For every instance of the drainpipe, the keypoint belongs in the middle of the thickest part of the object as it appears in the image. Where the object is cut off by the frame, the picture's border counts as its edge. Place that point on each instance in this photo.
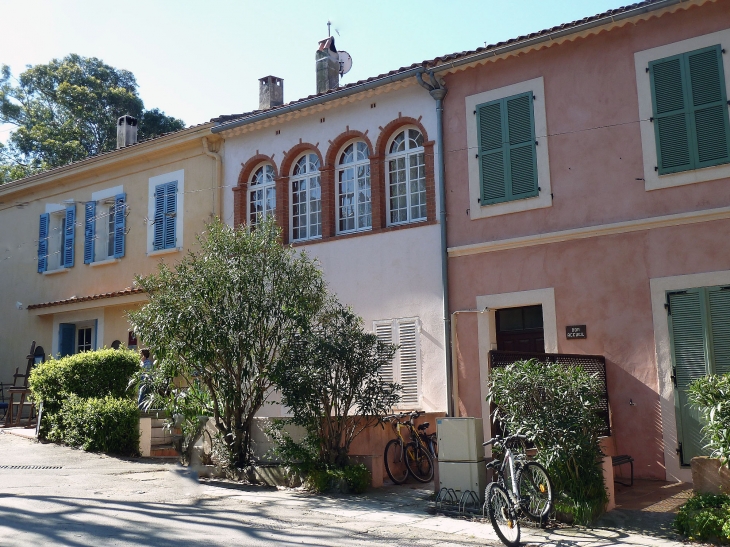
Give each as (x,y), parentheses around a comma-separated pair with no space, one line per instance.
(218,190)
(437,90)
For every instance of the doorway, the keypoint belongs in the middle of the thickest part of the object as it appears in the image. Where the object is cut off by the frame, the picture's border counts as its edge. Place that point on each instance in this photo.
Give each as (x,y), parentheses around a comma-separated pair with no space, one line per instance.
(520,329)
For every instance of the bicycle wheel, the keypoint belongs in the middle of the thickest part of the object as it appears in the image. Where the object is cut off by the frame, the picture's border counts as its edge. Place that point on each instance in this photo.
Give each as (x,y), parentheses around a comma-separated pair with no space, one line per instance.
(434,445)
(536,491)
(502,515)
(395,461)
(419,462)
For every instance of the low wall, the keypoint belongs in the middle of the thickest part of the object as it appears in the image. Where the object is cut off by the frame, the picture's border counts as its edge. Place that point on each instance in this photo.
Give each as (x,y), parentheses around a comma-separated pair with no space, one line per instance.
(709,477)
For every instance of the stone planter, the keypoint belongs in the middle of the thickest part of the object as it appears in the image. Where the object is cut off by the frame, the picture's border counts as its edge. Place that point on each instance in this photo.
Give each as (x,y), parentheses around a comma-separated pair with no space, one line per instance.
(709,477)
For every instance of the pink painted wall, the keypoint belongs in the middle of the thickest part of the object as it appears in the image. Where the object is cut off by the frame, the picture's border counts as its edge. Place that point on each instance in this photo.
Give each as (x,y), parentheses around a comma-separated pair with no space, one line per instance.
(601,282)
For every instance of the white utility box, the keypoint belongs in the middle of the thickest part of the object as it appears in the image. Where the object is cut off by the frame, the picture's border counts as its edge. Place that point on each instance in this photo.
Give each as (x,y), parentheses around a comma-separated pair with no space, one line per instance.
(463,476)
(460,439)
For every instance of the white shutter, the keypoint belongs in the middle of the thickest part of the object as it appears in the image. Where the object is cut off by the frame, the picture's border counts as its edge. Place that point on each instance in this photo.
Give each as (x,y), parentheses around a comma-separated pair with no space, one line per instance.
(409,360)
(384,332)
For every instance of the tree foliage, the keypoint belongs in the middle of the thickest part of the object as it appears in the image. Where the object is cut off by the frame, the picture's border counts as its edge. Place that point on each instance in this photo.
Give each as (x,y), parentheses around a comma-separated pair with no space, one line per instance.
(332,385)
(557,408)
(229,314)
(67,110)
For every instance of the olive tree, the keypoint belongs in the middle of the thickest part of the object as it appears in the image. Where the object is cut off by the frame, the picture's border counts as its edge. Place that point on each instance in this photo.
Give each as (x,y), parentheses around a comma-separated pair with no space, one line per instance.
(333,387)
(228,314)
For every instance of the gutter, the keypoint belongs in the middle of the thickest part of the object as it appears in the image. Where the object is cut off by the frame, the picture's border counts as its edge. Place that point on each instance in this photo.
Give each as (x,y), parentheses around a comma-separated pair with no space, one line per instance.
(409,73)
(218,190)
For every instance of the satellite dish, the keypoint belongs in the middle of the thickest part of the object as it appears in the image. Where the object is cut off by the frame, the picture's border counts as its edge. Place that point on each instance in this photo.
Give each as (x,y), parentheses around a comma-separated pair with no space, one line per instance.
(345,62)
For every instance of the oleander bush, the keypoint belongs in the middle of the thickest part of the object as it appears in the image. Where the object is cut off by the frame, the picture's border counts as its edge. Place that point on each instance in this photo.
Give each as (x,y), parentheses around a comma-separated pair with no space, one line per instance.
(88,400)
(711,396)
(556,407)
(705,517)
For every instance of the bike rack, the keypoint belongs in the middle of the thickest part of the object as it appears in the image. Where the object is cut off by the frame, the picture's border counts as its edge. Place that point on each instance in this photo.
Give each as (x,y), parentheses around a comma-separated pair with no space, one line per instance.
(446,496)
(469,498)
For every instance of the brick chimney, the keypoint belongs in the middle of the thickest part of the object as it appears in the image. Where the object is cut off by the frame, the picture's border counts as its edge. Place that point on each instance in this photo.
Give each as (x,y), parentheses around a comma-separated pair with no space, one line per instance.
(271,92)
(328,65)
(126,131)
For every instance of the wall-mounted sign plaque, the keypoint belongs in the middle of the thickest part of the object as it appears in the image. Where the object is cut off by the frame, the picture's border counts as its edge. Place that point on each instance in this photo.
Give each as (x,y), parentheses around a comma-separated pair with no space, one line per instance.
(575,331)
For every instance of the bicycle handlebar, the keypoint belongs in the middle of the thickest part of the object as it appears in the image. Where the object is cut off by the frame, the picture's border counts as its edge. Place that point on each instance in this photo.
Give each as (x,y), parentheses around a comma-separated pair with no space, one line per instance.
(503,440)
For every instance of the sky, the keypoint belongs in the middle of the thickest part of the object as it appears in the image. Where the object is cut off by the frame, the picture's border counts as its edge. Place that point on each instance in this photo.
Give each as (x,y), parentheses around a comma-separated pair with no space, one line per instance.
(198,59)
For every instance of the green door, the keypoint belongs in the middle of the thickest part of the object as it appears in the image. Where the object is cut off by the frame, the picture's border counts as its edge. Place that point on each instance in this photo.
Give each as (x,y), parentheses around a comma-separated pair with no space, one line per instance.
(699,326)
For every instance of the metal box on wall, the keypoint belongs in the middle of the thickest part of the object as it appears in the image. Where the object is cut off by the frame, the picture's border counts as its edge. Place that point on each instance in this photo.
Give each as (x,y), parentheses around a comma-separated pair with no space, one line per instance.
(460,439)
(463,476)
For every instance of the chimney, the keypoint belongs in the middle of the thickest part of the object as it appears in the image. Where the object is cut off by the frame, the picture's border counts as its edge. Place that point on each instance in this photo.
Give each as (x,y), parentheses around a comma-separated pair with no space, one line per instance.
(271,92)
(126,131)
(328,65)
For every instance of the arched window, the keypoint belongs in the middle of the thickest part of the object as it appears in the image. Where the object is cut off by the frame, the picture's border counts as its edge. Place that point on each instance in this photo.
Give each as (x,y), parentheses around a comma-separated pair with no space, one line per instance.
(353,189)
(261,195)
(306,199)
(406,178)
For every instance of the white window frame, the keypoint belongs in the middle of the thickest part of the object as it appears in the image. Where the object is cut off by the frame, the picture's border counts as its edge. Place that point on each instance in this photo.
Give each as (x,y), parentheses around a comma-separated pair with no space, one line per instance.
(154,182)
(652,179)
(250,187)
(306,176)
(395,339)
(56,218)
(105,200)
(82,318)
(544,196)
(341,168)
(406,154)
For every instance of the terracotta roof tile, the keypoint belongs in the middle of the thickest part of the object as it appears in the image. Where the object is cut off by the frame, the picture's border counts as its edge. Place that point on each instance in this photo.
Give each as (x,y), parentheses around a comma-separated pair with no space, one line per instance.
(73,300)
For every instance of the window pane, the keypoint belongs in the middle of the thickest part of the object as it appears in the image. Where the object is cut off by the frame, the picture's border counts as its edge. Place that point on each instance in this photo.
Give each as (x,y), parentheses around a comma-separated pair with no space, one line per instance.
(348,155)
(399,143)
(415,139)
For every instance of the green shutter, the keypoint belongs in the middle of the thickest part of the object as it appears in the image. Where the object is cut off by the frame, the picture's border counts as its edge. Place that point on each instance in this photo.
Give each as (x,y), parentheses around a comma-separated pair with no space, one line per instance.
(709,106)
(690,111)
(719,303)
(507,155)
(687,331)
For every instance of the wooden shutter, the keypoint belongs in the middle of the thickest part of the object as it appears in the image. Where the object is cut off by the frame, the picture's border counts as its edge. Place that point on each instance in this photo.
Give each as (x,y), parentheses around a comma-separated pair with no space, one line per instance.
(708,106)
(170,215)
(687,331)
(159,220)
(68,236)
(719,303)
(384,332)
(409,361)
(690,111)
(89,231)
(66,339)
(507,155)
(120,219)
(43,242)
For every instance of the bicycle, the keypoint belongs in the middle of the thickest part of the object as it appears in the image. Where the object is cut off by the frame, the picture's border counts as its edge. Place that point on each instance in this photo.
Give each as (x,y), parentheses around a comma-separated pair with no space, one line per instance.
(413,457)
(529,494)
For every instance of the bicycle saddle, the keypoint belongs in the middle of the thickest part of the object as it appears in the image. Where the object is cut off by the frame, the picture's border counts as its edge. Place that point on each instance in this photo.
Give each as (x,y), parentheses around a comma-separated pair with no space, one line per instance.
(423,426)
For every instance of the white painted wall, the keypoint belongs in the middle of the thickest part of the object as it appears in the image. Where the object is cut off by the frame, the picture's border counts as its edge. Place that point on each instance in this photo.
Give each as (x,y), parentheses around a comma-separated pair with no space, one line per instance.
(382,276)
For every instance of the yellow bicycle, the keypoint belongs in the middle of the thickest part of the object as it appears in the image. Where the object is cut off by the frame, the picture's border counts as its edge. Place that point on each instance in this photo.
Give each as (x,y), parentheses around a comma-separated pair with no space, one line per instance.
(407,457)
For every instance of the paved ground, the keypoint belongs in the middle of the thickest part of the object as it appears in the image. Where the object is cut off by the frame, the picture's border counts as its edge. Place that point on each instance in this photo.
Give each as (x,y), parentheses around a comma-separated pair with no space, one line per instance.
(73,498)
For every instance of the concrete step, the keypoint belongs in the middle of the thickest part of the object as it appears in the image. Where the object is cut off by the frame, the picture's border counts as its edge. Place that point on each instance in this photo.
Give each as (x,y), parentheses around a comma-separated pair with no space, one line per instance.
(163,451)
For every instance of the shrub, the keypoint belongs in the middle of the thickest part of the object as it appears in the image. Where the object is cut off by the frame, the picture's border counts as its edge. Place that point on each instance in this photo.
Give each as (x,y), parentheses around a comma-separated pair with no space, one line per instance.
(107,424)
(556,407)
(356,478)
(705,517)
(711,396)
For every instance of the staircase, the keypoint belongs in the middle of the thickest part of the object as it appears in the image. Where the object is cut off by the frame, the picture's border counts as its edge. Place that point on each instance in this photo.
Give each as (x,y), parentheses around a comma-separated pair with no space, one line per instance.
(154,440)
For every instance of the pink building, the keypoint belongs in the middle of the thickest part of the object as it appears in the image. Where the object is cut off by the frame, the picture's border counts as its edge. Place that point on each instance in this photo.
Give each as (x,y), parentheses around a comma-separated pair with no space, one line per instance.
(588,200)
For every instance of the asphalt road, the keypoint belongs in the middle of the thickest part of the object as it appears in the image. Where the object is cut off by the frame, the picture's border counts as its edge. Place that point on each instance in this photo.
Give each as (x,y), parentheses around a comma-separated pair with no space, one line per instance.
(53,495)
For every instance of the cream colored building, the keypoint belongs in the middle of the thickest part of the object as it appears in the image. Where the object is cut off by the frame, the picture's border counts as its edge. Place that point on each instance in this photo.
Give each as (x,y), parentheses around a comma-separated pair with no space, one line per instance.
(72,240)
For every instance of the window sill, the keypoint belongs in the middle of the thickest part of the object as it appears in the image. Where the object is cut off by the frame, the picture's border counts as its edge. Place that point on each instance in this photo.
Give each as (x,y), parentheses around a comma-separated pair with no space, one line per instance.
(104,262)
(305,240)
(56,271)
(406,223)
(165,251)
(358,231)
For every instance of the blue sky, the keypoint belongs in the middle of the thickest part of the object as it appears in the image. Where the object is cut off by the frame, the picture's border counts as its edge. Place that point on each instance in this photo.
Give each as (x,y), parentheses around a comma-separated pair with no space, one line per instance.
(195,60)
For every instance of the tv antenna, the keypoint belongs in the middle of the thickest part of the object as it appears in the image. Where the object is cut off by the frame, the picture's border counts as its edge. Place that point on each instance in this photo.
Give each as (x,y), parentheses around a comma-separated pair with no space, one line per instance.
(345,62)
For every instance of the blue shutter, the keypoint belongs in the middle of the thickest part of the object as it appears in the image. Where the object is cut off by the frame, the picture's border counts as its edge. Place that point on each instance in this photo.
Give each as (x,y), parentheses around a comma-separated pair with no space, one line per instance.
(170,215)
(120,218)
(158,223)
(68,236)
(66,339)
(43,243)
(89,231)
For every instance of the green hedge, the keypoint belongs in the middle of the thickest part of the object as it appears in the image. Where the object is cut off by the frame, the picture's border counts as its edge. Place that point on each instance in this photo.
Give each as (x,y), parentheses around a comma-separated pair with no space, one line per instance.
(356,477)
(88,401)
(107,424)
(705,517)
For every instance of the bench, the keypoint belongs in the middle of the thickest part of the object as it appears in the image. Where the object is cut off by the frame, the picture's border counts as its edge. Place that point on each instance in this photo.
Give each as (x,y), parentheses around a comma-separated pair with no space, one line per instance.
(621,460)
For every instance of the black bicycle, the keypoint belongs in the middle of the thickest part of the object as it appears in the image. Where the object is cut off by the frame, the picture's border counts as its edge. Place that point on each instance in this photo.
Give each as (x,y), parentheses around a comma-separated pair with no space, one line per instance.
(520,488)
(413,456)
